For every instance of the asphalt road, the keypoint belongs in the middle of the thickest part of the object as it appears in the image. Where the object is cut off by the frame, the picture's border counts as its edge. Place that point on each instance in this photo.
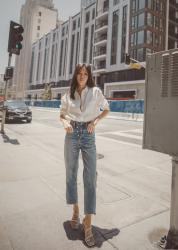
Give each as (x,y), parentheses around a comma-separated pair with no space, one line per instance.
(116,129)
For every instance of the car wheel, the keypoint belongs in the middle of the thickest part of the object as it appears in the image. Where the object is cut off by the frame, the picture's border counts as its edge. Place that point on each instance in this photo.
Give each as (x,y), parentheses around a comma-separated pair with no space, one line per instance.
(29,120)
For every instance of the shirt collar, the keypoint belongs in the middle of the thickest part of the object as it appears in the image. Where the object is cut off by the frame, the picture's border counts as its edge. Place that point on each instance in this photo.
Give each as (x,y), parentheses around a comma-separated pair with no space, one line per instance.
(84,91)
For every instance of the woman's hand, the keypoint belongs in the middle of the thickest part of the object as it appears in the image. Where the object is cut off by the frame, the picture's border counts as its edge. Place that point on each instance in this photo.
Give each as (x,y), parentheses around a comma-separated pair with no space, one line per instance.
(91,127)
(68,127)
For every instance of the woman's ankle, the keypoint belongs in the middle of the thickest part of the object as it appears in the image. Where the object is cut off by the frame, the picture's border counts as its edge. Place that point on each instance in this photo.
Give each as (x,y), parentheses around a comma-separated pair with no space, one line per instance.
(87,221)
(76,210)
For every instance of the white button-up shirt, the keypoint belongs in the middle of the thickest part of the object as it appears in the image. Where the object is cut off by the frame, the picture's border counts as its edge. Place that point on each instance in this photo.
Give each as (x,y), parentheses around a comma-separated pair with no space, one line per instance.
(85,107)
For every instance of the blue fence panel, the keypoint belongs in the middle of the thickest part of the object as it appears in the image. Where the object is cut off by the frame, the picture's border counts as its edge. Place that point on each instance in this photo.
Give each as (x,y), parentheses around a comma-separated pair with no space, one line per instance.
(134,106)
(47,104)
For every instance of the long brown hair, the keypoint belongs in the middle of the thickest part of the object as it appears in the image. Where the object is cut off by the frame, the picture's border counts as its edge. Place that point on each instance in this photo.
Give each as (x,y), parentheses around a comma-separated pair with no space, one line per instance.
(90,82)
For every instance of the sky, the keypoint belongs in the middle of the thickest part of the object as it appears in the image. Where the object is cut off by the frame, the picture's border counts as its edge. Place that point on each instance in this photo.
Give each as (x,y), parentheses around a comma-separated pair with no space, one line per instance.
(10,10)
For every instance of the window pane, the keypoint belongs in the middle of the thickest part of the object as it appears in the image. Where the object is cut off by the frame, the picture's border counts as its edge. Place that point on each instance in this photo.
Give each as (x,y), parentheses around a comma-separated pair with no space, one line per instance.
(141,4)
(149,37)
(141,20)
(149,19)
(140,55)
(140,37)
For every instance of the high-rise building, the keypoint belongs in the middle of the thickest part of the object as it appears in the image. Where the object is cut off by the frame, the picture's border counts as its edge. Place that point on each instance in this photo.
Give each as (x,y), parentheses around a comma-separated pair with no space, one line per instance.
(100,34)
(172,24)
(37,17)
(86,3)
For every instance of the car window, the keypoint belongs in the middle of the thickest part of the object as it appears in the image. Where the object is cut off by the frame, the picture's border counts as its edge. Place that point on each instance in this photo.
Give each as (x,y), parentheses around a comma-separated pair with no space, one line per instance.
(16,104)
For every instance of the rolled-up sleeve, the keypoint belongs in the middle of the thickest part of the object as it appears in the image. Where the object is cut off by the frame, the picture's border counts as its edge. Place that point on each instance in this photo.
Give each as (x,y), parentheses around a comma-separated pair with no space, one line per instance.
(63,107)
(102,102)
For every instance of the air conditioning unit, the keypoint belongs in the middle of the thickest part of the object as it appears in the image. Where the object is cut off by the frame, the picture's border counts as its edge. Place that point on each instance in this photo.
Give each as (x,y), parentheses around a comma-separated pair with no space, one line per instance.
(161,103)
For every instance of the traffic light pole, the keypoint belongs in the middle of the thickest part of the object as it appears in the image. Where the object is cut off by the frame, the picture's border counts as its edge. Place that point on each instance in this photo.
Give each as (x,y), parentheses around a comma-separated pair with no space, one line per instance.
(5,97)
(172,238)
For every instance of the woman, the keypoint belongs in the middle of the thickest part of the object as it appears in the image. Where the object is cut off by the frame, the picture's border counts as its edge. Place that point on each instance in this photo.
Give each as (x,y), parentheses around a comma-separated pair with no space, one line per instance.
(80,113)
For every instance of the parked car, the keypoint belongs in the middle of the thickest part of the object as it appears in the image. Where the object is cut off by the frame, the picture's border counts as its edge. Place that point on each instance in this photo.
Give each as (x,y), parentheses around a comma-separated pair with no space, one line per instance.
(17,110)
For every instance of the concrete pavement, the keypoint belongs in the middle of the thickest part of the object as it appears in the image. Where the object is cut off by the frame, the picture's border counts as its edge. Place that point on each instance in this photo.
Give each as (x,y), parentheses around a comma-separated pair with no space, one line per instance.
(133,192)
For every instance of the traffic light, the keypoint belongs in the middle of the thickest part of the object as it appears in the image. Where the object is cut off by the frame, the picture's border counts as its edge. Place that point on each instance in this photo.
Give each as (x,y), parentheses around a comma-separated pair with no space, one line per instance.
(15,38)
(127,59)
(8,73)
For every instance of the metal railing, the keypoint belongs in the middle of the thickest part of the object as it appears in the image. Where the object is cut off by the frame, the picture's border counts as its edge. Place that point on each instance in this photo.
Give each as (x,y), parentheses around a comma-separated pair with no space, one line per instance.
(100,52)
(100,12)
(101,38)
(101,24)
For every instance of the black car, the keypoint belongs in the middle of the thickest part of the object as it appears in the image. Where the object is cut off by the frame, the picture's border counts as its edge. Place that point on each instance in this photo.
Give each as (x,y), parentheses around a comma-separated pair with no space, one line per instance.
(17,110)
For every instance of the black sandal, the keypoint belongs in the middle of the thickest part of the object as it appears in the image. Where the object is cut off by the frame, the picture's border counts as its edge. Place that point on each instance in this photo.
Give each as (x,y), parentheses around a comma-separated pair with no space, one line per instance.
(75,222)
(89,238)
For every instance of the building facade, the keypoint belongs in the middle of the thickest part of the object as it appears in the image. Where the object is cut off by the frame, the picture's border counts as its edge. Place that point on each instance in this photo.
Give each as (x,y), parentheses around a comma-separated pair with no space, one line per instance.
(100,34)
(38,18)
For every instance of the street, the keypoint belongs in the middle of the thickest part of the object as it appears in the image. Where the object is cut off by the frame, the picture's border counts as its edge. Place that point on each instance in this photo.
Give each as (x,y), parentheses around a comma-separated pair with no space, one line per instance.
(133,187)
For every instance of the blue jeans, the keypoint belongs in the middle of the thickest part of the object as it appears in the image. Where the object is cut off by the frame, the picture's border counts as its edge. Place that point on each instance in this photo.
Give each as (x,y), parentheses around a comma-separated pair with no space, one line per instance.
(78,140)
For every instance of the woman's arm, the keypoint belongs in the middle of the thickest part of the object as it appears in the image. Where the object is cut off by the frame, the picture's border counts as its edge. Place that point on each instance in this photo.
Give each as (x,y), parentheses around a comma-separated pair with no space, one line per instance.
(102,115)
(91,125)
(67,126)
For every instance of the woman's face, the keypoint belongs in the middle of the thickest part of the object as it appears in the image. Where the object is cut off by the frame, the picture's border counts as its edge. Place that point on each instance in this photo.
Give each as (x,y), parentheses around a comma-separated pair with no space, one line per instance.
(82,77)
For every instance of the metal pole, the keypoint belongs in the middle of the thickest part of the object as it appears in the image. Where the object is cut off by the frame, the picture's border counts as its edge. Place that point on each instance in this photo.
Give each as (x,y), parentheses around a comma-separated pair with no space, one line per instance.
(172,238)
(5,98)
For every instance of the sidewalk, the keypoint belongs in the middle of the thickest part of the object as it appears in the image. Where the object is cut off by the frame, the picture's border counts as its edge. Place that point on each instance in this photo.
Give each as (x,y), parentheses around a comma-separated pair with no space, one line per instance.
(133,194)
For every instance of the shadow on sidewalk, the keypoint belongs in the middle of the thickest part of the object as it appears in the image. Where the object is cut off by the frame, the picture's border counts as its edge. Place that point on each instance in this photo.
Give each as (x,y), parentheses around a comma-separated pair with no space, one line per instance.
(8,140)
(100,234)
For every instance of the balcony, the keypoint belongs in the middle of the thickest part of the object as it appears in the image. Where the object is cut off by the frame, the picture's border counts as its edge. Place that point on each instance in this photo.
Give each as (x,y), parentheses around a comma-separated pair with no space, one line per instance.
(101,25)
(100,40)
(100,68)
(100,54)
(102,13)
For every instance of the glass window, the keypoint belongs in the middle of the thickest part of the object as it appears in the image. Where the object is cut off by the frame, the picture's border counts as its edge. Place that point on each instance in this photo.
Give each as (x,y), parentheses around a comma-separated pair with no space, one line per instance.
(140,55)
(141,4)
(156,24)
(116,2)
(149,37)
(149,19)
(87,17)
(63,31)
(176,29)
(134,22)
(149,4)
(93,13)
(114,37)
(74,25)
(148,51)
(79,22)
(141,20)
(39,13)
(177,14)
(133,39)
(54,37)
(38,27)
(134,5)
(71,54)
(85,45)
(140,37)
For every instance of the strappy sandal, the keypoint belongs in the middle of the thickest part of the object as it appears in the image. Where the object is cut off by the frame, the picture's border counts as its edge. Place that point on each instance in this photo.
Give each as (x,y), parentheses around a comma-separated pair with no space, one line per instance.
(89,238)
(75,222)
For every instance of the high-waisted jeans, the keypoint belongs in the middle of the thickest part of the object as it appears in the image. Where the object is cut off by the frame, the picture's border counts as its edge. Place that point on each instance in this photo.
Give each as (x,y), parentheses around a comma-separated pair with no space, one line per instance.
(78,140)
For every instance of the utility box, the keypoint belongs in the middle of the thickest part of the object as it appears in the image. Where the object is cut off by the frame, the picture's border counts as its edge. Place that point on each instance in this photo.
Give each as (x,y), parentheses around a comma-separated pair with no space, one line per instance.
(161,103)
